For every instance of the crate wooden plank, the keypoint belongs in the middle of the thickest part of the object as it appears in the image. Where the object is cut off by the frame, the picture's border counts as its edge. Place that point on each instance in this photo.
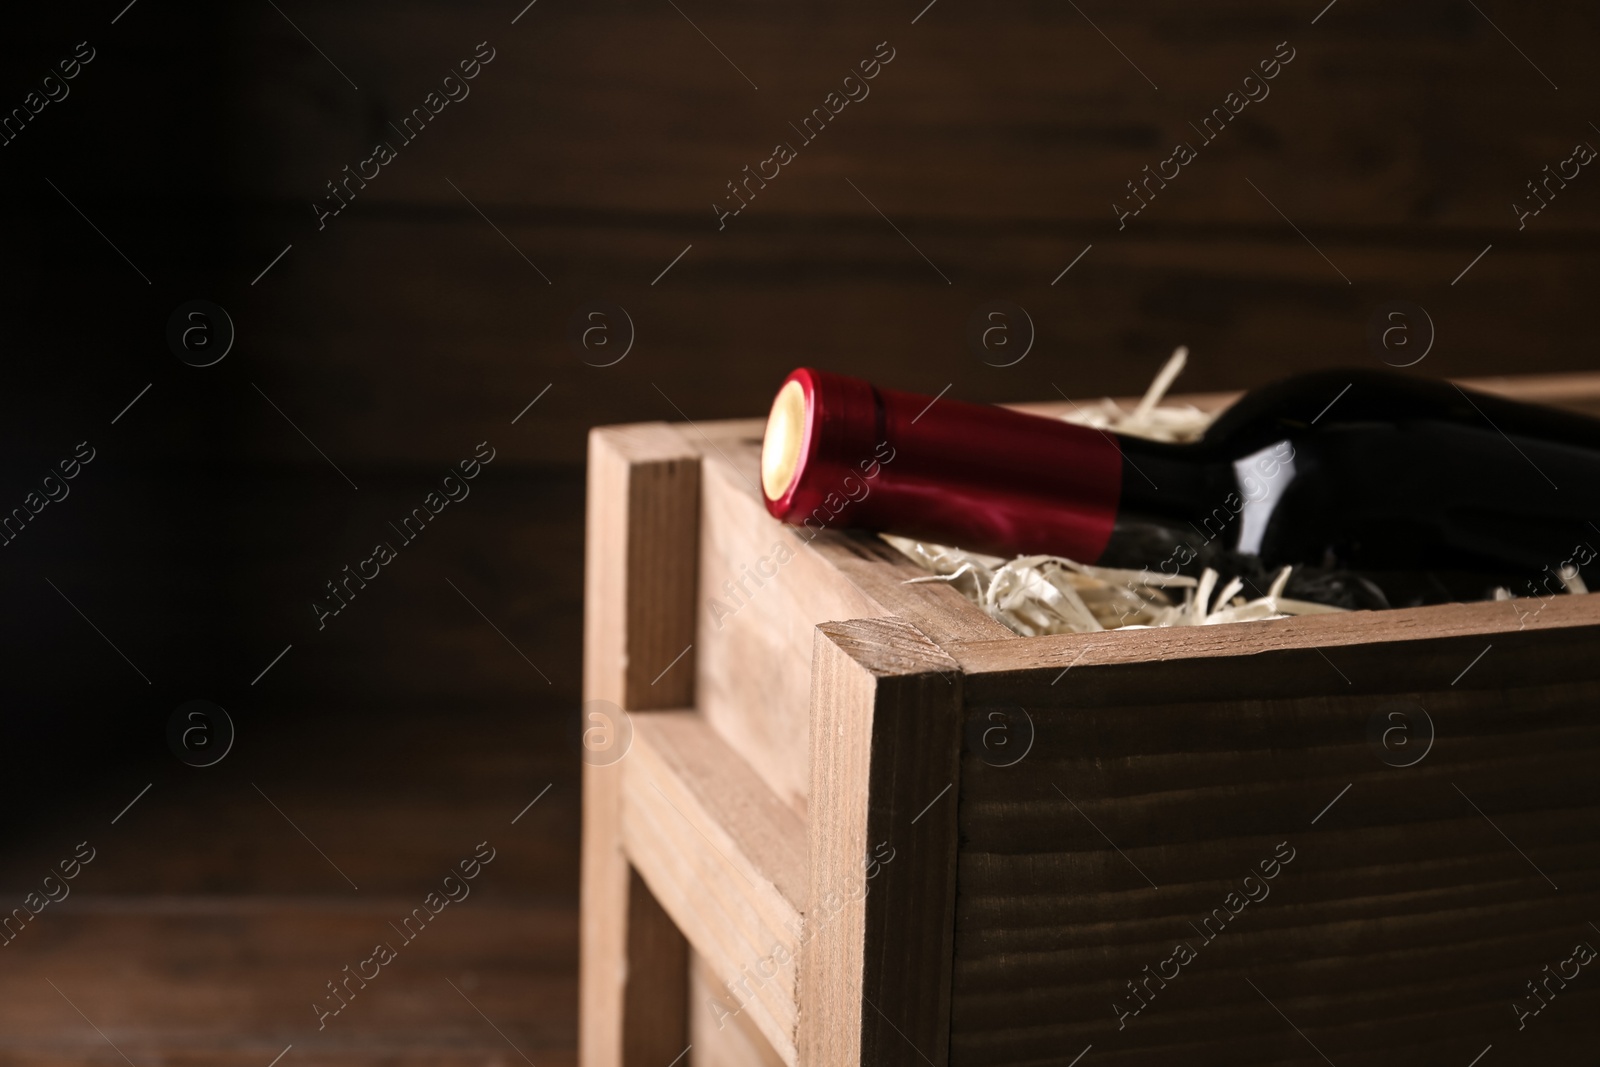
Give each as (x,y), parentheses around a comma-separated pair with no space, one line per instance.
(642,525)
(756,633)
(1351,647)
(1407,923)
(755,650)
(721,1037)
(1008,922)
(875,978)
(643,522)
(727,860)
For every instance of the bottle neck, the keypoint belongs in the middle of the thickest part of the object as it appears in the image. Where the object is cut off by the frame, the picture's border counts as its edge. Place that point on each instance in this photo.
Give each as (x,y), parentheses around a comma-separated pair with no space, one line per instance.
(1183,482)
(1177,502)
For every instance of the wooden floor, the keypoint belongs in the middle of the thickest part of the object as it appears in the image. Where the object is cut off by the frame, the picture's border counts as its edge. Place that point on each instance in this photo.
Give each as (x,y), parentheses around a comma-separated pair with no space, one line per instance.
(206,925)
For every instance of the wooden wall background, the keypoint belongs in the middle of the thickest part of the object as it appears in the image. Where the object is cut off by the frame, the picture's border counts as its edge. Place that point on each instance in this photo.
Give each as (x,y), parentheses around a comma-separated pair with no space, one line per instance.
(409,329)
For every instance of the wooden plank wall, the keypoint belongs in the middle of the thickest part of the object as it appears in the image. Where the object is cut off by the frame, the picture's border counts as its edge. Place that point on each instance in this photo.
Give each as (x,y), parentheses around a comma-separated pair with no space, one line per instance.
(996,141)
(408,329)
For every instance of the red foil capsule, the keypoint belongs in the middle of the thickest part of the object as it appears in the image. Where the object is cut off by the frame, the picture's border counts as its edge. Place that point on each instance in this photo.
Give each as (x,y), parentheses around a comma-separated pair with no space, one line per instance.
(841,452)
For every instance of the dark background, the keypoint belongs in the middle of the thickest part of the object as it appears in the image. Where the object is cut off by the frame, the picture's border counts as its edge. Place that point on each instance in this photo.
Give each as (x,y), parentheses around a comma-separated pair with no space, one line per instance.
(408,330)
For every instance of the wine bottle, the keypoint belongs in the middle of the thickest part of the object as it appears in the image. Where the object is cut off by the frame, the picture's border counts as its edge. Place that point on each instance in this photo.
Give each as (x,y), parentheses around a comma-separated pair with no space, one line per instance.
(1363,470)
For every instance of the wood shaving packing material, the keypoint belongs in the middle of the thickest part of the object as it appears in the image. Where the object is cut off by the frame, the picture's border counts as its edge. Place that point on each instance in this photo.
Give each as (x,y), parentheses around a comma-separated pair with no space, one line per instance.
(1174,423)
(1567,576)
(1036,595)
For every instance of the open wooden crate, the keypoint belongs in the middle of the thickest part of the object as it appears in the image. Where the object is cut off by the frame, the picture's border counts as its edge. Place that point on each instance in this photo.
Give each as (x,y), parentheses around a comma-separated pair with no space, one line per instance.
(805,843)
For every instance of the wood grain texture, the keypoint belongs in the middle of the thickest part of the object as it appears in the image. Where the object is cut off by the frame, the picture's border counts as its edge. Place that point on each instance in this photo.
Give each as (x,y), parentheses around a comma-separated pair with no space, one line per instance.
(1249,306)
(1035,84)
(764,587)
(206,925)
(1060,93)
(1407,923)
(727,859)
(762,590)
(875,985)
(638,580)
(643,523)
(1312,649)
(996,141)
(655,1009)
(410,329)
(754,660)
(197,978)
(722,1036)
(511,551)
(696,768)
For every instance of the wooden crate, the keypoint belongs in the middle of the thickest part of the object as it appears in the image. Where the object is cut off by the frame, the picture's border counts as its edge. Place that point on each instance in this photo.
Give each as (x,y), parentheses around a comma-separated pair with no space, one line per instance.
(807,843)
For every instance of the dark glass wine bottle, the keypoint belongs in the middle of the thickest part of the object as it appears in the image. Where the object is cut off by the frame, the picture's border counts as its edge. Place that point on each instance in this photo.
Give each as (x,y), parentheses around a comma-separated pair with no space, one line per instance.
(1433,491)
